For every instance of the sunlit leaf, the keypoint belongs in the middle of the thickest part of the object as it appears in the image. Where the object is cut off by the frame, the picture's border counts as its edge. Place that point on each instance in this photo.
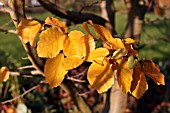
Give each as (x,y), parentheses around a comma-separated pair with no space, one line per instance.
(78,44)
(153,71)
(124,75)
(129,41)
(97,54)
(101,32)
(53,70)
(116,43)
(28,30)
(139,84)
(56,23)
(101,77)
(50,43)
(119,53)
(4,74)
(72,62)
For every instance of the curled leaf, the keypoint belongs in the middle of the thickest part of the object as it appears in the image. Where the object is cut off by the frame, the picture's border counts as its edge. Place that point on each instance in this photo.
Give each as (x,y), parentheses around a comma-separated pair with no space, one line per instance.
(28,30)
(101,77)
(153,71)
(4,74)
(54,71)
(101,32)
(50,43)
(56,23)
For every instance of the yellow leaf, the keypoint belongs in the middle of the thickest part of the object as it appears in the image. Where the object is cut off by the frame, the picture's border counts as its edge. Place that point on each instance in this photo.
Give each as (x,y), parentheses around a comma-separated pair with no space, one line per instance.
(101,77)
(129,41)
(152,70)
(50,43)
(139,84)
(119,53)
(124,75)
(97,55)
(4,74)
(53,70)
(72,62)
(116,43)
(101,32)
(78,43)
(56,23)
(28,30)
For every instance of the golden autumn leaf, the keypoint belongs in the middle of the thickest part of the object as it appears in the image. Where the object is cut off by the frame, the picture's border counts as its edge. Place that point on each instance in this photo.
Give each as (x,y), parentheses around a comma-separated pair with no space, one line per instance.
(97,55)
(72,62)
(124,75)
(56,23)
(139,84)
(101,77)
(28,30)
(101,32)
(129,41)
(85,26)
(78,43)
(116,43)
(4,74)
(119,53)
(50,43)
(153,71)
(54,71)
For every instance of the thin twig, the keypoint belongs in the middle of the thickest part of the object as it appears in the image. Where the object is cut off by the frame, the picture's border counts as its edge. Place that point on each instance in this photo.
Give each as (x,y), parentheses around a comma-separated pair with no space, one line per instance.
(75,80)
(148,21)
(34,72)
(8,31)
(6,24)
(85,93)
(89,5)
(22,95)
(26,67)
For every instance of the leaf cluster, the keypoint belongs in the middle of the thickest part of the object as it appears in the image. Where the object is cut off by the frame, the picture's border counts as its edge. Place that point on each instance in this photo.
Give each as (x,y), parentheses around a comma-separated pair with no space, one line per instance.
(116,60)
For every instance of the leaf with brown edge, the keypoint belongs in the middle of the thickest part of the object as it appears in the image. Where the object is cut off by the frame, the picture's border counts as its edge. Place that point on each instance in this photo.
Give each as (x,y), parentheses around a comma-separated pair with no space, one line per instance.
(72,62)
(85,26)
(97,55)
(50,43)
(124,75)
(78,43)
(101,77)
(4,74)
(139,84)
(54,71)
(28,30)
(56,23)
(101,32)
(153,71)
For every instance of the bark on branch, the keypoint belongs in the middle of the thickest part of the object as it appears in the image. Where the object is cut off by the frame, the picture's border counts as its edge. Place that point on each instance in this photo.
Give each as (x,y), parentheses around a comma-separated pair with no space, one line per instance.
(75,17)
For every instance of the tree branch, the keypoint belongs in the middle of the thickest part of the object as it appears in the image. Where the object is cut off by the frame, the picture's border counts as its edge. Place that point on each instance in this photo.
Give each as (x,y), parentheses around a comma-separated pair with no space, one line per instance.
(75,17)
